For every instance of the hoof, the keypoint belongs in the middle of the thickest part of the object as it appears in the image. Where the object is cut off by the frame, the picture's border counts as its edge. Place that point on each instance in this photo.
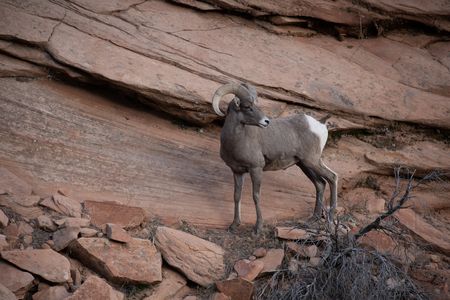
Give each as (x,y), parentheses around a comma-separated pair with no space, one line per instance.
(233,228)
(257,230)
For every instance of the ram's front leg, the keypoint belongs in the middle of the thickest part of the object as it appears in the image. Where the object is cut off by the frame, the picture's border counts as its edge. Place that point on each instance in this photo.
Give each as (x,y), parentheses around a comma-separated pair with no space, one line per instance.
(238,182)
(256,175)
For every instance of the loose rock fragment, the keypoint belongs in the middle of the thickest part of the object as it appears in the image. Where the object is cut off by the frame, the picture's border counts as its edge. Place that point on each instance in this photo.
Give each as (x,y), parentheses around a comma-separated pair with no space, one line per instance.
(136,262)
(46,263)
(95,288)
(116,233)
(200,260)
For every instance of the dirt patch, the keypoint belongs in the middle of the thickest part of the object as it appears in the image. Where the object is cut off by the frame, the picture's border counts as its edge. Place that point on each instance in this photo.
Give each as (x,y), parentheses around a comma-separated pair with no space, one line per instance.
(40,237)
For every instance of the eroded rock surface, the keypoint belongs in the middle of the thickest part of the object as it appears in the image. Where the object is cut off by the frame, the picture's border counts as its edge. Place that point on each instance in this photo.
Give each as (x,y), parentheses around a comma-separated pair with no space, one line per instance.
(15,280)
(96,288)
(200,260)
(46,263)
(136,262)
(191,52)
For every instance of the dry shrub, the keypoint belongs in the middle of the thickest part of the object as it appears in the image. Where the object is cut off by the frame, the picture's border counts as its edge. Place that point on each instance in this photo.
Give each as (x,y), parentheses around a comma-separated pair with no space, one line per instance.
(347,271)
(351,273)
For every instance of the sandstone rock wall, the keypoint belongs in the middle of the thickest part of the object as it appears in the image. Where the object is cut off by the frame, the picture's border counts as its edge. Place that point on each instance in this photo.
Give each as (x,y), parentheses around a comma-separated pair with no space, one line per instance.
(73,70)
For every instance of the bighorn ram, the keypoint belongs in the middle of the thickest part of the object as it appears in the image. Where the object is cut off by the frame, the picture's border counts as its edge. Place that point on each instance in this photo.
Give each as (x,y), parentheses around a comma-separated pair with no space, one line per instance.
(251,143)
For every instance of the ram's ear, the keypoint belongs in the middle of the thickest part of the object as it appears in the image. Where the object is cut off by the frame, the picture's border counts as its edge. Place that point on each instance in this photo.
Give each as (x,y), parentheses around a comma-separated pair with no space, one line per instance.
(237,101)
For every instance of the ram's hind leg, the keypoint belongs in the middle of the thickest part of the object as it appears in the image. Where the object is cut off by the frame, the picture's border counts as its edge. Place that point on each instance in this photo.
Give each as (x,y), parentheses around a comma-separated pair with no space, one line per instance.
(319,184)
(332,178)
(238,182)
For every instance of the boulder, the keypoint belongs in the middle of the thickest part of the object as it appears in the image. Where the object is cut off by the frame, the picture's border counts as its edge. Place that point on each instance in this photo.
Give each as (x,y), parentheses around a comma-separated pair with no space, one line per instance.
(136,262)
(303,250)
(238,288)
(64,205)
(29,201)
(3,242)
(170,285)
(46,223)
(247,269)
(437,239)
(379,241)
(260,252)
(57,292)
(272,260)
(76,276)
(200,260)
(220,296)
(95,288)
(88,232)
(291,233)
(4,220)
(6,294)
(315,261)
(24,228)
(116,233)
(15,280)
(108,212)
(46,263)
(11,232)
(63,237)
(73,222)
(15,202)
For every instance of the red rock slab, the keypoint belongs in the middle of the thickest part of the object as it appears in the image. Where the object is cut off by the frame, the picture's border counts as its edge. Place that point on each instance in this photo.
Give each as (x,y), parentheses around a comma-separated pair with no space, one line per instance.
(260,252)
(220,296)
(46,263)
(64,236)
(200,260)
(15,280)
(272,261)
(436,238)
(11,67)
(6,294)
(291,233)
(23,26)
(88,232)
(3,242)
(106,6)
(108,212)
(303,250)
(4,220)
(238,288)
(424,157)
(116,233)
(136,262)
(247,269)
(64,205)
(95,288)
(46,223)
(52,293)
(170,285)
(73,222)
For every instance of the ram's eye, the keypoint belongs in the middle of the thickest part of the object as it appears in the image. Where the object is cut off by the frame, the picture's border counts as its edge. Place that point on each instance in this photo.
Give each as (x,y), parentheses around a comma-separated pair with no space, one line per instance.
(249,108)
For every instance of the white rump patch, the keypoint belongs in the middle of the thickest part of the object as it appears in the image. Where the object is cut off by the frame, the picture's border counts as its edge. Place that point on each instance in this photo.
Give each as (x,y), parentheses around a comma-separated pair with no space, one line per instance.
(318,129)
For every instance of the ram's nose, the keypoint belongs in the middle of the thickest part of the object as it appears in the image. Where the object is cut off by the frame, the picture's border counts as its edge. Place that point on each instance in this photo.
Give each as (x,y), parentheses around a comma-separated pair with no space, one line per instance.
(264,122)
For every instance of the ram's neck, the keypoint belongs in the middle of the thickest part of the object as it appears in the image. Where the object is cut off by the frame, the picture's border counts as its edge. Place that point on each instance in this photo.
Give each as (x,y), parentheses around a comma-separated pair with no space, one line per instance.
(232,129)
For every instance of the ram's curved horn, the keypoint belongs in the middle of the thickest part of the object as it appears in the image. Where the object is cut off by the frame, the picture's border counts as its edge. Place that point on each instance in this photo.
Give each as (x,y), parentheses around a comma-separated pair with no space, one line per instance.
(236,89)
